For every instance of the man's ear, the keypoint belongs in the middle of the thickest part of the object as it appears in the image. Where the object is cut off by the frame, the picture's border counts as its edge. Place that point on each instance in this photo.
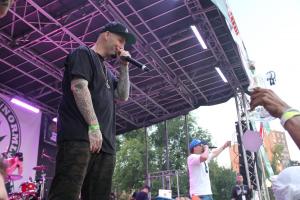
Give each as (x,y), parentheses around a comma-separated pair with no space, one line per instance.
(3,11)
(107,34)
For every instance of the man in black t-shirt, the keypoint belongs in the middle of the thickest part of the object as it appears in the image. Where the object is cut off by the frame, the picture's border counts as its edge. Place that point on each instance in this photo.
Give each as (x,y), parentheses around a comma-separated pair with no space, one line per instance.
(86,122)
(241,191)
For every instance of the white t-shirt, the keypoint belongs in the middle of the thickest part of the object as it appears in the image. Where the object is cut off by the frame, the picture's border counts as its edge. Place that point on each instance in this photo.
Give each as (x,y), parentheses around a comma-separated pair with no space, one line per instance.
(198,175)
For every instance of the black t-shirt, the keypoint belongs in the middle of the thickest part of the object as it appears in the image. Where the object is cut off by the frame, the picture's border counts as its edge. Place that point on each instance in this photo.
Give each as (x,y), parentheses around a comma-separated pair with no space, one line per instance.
(239,190)
(141,196)
(83,63)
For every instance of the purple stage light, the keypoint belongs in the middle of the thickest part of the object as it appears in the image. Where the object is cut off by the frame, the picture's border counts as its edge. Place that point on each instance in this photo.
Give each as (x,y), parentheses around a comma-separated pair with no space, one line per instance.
(25,105)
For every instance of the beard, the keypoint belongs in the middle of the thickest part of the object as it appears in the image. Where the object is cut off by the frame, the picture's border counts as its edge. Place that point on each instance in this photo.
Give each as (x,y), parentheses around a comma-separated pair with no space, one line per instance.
(114,55)
(112,52)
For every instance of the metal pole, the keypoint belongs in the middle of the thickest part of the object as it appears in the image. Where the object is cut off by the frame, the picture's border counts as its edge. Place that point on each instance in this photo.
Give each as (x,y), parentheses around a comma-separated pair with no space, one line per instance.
(266,191)
(177,180)
(240,132)
(149,184)
(166,145)
(252,154)
(169,181)
(256,176)
(147,155)
(166,139)
(187,135)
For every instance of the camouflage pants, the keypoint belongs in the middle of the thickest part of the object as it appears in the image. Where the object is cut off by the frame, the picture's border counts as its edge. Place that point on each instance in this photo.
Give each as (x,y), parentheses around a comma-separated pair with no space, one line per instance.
(80,172)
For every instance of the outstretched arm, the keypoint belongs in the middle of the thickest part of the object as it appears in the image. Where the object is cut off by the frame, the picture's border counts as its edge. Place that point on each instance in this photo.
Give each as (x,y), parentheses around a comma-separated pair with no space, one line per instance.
(216,152)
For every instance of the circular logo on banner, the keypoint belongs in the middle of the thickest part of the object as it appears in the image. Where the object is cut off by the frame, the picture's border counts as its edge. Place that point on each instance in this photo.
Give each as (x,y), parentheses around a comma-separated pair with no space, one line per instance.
(10,131)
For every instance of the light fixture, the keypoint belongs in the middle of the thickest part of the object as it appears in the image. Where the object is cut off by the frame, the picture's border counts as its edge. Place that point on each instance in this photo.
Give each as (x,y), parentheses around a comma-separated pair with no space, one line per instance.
(221,74)
(54,119)
(25,105)
(198,36)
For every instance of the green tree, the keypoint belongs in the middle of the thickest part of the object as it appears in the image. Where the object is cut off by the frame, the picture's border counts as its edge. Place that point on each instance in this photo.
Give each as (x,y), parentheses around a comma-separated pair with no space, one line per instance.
(222,181)
(177,149)
(130,159)
(129,169)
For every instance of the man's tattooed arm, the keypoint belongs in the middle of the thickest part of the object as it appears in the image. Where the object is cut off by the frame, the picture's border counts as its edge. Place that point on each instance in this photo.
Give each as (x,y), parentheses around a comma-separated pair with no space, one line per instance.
(83,100)
(84,103)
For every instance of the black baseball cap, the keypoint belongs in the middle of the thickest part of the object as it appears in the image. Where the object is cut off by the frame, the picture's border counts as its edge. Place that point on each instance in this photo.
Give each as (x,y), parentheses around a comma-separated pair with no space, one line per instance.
(120,29)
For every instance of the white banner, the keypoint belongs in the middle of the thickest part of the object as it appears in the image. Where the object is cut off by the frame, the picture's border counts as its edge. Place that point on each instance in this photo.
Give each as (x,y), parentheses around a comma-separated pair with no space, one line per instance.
(19,132)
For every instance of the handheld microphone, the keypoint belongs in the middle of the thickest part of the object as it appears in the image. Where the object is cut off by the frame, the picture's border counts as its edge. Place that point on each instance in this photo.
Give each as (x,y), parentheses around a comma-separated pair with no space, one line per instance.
(136,63)
(210,147)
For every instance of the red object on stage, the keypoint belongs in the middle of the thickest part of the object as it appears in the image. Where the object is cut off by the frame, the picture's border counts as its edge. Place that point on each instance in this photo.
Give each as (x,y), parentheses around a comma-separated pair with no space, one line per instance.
(28,187)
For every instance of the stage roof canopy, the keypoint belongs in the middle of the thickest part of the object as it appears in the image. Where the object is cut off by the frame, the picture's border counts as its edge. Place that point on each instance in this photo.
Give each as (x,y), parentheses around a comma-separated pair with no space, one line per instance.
(36,36)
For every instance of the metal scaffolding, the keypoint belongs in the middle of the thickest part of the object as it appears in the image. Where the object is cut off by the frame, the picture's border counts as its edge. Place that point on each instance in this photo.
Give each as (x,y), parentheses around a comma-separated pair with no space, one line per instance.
(36,36)
(242,108)
(166,179)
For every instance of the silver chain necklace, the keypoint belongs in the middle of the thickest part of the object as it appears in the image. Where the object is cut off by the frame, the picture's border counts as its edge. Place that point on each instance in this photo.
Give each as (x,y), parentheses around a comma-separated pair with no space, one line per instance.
(104,74)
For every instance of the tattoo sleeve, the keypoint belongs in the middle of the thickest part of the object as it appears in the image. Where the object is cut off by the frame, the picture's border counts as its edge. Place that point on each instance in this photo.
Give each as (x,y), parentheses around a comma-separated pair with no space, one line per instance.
(122,90)
(83,100)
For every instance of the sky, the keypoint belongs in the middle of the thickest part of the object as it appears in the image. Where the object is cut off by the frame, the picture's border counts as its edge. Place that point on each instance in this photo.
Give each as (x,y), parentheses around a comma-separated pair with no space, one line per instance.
(270,30)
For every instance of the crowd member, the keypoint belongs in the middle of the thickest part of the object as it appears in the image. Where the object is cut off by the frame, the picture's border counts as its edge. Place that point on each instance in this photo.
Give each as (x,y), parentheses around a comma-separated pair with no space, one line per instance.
(241,191)
(286,186)
(133,196)
(143,194)
(289,117)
